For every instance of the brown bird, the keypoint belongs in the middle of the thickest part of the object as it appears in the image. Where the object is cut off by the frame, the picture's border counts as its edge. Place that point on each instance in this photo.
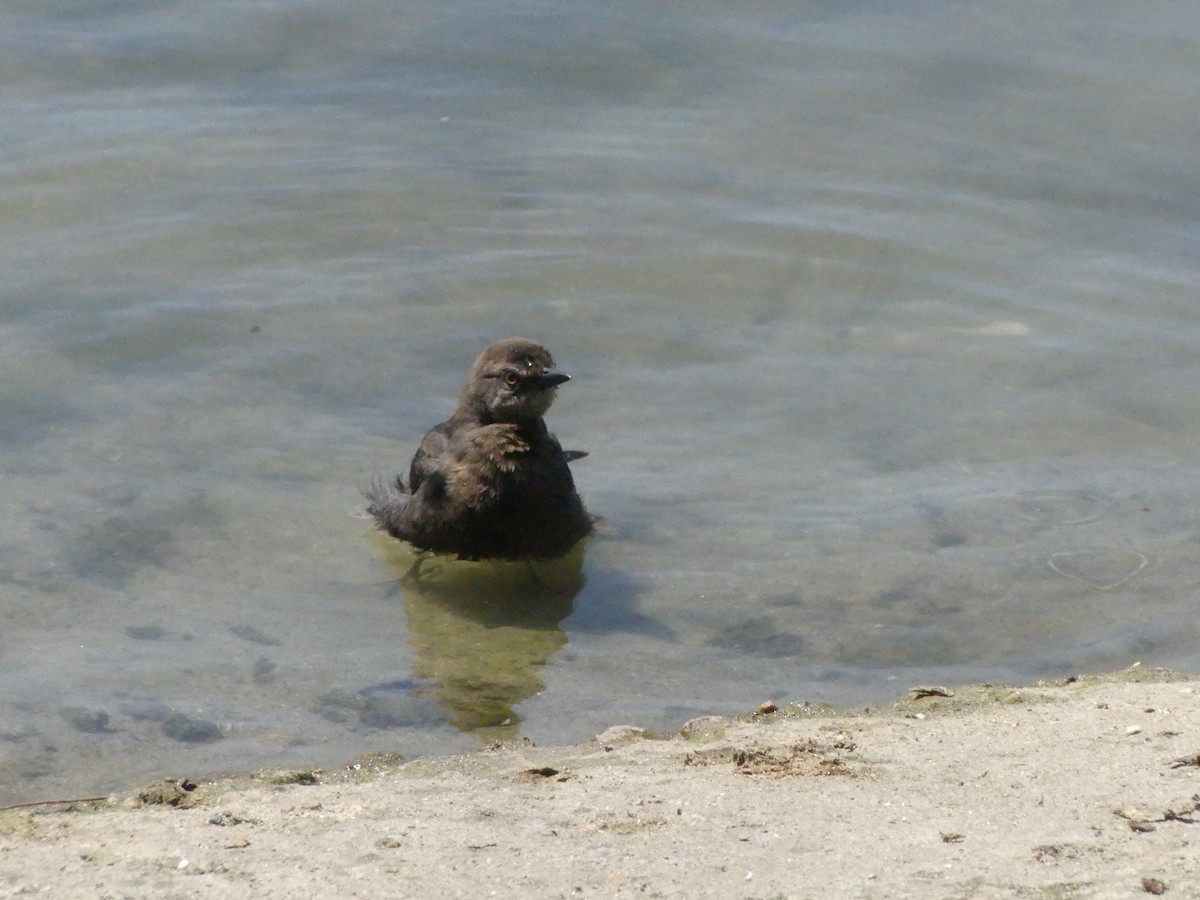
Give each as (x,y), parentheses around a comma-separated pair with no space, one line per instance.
(491,482)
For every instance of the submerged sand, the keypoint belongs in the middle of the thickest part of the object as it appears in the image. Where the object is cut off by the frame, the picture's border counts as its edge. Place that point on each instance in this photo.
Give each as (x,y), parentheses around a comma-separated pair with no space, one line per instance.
(1088,787)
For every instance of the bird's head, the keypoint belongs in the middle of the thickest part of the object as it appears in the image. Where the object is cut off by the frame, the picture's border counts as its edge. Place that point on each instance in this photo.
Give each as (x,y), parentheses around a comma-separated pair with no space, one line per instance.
(513,380)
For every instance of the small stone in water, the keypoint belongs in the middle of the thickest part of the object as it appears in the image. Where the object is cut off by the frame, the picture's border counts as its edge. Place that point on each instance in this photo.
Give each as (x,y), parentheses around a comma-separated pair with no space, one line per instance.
(191,731)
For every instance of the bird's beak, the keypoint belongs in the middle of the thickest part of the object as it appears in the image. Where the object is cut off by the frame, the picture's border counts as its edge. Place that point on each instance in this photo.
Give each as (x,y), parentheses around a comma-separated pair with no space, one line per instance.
(549,378)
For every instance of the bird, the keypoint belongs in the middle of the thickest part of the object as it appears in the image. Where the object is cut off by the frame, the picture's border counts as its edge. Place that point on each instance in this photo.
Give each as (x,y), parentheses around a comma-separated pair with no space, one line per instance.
(491,482)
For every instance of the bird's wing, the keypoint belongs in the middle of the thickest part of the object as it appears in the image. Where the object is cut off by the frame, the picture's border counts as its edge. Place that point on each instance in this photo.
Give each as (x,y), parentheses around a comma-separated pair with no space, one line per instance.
(430,456)
(568,455)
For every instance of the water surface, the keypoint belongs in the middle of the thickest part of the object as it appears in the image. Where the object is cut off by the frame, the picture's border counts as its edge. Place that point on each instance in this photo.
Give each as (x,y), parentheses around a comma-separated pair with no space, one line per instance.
(882,322)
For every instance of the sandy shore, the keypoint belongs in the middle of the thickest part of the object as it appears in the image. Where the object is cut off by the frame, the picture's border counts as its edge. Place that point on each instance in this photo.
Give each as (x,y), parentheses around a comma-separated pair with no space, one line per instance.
(1085,788)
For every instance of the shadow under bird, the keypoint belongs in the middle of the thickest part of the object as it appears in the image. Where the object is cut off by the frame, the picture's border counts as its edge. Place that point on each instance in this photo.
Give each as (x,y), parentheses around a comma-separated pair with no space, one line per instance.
(491,482)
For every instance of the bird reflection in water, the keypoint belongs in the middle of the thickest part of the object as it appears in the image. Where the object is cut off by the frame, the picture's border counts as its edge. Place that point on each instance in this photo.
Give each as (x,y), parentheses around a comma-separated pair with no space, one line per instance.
(482,631)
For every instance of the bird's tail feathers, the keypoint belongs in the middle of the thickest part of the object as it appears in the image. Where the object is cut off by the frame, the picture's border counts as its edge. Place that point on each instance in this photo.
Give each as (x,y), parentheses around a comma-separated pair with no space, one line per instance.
(382,495)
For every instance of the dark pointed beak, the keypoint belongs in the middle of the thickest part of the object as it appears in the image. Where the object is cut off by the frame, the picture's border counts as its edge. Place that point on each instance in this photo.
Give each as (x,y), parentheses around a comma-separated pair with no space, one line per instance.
(549,378)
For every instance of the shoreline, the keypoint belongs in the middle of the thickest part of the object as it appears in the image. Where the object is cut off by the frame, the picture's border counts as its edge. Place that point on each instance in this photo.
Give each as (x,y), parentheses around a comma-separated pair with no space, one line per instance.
(1087,786)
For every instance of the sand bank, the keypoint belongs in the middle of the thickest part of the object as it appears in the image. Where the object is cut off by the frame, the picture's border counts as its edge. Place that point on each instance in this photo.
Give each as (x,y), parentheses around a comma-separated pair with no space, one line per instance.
(1083,788)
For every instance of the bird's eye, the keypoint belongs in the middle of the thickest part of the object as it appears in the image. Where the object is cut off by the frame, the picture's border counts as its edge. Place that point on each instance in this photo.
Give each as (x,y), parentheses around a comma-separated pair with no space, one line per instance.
(511,379)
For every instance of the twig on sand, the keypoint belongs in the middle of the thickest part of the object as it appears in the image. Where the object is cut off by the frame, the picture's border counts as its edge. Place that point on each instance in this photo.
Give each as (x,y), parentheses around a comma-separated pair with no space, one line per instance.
(51,803)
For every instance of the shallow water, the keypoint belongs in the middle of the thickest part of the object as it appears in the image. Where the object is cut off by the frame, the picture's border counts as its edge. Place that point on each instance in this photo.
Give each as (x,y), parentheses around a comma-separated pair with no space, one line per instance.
(882,322)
